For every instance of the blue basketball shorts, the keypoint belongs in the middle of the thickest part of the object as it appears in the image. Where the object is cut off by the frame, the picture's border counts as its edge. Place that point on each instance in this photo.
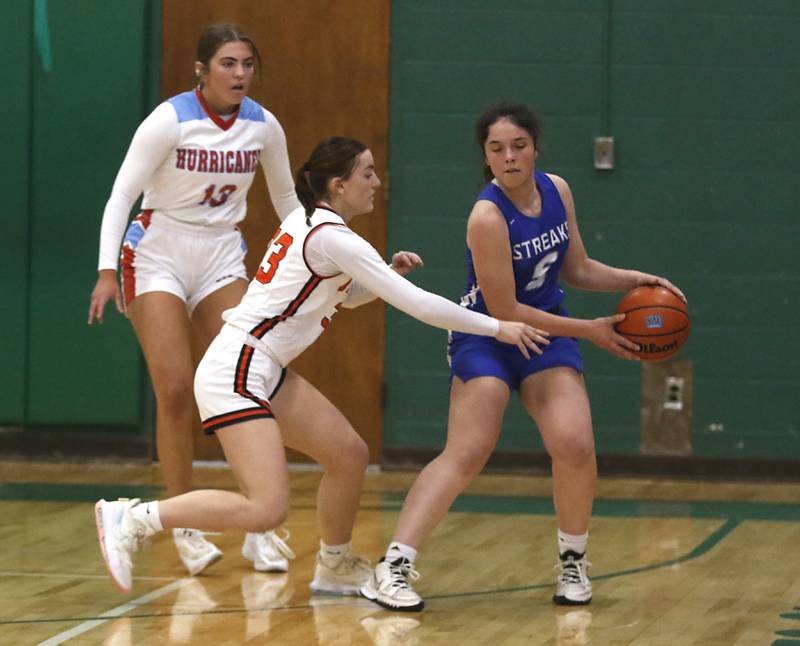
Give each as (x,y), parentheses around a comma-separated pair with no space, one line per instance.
(481,356)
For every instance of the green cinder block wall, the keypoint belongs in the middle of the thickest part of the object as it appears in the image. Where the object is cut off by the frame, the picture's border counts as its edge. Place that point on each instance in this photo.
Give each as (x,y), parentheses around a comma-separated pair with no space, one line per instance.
(703,100)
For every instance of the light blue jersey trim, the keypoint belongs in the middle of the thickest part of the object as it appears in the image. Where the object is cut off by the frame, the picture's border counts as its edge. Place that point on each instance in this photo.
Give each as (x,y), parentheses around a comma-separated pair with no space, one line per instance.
(187,107)
(251,110)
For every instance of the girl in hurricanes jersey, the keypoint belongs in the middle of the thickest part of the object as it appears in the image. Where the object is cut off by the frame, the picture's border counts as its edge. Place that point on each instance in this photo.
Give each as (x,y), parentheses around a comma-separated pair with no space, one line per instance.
(182,260)
(256,405)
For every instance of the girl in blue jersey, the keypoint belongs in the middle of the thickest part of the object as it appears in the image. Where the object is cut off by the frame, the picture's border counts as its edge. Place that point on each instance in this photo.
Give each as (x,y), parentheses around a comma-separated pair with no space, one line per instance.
(522,236)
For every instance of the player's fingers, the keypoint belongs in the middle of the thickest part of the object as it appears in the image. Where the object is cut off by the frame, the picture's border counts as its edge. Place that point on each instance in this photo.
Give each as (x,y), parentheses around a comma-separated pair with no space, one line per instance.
(678,292)
(627,343)
(95,313)
(118,302)
(663,282)
(623,352)
(537,335)
(534,340)
(523,349)
(627,349)
(530,343)
(412,259)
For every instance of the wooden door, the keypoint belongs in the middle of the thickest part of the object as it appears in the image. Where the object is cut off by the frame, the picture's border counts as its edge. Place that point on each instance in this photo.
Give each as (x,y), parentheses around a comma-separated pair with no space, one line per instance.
(324,73)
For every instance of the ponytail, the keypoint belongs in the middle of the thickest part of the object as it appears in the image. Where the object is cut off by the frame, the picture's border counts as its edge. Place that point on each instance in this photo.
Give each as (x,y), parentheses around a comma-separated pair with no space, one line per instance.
(305,193)
(333,157)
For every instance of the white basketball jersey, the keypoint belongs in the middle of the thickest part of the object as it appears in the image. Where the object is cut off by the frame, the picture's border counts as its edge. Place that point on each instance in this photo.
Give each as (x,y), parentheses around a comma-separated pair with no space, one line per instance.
(205,178)
(287,306)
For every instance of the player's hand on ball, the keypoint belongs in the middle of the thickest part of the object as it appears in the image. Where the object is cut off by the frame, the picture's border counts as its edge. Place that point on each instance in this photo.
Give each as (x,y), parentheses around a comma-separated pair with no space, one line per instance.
(604,336)
(658,281)
(523,336)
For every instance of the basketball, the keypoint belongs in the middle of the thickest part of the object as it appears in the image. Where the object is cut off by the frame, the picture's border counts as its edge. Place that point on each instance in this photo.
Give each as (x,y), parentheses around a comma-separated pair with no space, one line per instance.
(656,319)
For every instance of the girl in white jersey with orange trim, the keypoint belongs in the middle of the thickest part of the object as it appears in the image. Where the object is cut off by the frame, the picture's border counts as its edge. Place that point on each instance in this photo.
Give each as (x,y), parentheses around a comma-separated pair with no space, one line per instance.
(314,265)
(182,259)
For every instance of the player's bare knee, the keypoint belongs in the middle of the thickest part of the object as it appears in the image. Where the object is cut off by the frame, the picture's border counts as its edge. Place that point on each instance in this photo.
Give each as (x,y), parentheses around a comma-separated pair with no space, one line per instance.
(175,397)
(359,453)
(578,451)
(351,455)
(265,517)
(468,463)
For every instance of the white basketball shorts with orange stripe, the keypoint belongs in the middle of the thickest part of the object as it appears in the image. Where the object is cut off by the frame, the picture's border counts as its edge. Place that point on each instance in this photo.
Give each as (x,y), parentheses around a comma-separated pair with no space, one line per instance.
(235,382)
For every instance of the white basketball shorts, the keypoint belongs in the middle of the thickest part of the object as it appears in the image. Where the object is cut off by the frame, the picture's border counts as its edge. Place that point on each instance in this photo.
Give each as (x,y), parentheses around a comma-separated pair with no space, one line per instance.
(235,382)
(190,261)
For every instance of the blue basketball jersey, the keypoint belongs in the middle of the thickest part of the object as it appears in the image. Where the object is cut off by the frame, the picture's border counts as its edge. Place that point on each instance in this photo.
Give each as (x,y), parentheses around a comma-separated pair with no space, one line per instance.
(538,248)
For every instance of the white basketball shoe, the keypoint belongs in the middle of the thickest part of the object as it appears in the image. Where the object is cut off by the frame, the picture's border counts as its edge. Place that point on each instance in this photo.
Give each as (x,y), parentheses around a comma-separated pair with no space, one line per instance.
(268,551)
(573,587)
(195,550)
(345,578)
(389,587)
(120,534)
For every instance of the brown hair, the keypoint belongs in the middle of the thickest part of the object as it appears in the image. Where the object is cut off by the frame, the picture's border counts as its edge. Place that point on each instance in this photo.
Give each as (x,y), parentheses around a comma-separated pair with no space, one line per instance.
(333,157)
(518,113)
(216,35)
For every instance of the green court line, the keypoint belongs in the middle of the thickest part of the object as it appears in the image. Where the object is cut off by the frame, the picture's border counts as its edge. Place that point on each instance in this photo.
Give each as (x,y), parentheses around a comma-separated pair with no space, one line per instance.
(636,508)
(713,539)
(467,503)
(49,492)
(709,543)
(606,507)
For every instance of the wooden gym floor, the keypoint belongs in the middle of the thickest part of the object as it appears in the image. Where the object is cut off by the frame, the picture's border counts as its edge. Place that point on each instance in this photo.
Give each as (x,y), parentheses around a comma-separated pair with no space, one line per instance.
(675,562)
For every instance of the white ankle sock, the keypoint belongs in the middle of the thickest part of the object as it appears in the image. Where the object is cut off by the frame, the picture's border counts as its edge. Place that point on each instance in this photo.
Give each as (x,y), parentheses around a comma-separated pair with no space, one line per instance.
(572,542)
(331,555)
(400,550)
(147,512)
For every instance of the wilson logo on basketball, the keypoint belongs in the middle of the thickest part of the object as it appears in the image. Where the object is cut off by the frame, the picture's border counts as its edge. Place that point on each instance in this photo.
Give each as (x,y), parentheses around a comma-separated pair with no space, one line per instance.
(654,348)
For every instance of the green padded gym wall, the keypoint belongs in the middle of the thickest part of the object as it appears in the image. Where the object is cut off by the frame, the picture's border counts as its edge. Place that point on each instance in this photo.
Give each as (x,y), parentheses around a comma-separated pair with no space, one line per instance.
(90,71)
(703,100)
(15,31)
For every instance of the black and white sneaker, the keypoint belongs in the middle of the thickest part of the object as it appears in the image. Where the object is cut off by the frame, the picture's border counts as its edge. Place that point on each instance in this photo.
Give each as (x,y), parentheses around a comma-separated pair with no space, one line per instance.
(573,587)
(389,587)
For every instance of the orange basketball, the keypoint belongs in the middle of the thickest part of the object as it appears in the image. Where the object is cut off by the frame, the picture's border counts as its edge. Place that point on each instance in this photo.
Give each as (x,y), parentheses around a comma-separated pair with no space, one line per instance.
(656,319)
